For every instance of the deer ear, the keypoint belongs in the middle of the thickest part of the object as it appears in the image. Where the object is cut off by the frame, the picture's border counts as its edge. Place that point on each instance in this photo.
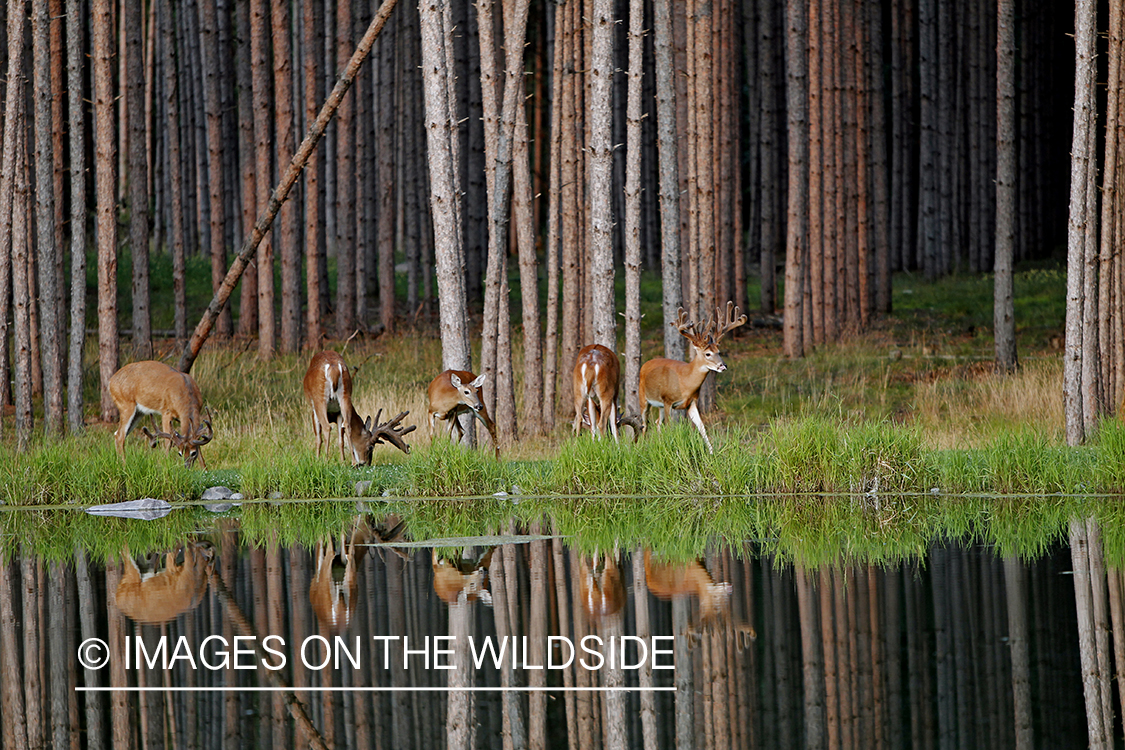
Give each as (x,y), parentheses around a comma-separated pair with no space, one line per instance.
(456,381)
(367,424)
(479,381)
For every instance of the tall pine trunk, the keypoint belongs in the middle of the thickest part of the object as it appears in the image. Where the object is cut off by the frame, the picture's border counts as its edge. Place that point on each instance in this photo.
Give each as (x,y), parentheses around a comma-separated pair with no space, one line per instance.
(105,144)
(74,65)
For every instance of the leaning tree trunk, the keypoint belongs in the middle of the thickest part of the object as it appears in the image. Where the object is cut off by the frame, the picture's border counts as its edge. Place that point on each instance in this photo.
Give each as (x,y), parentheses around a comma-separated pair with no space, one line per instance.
(105,144)
(285,184)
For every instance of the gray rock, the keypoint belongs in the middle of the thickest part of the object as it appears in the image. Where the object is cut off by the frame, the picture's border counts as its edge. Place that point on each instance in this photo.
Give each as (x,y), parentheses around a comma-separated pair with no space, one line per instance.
(145,509)
(220,507)
(217,493)
(362,487)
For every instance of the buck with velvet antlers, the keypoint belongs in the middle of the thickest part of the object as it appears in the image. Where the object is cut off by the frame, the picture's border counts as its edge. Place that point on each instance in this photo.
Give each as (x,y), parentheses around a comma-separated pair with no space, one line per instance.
(328,388)
(155,388)
(671,384)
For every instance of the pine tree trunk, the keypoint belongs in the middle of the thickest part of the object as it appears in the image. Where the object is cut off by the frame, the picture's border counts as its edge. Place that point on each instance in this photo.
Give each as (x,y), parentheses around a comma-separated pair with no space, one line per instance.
(1004,324)
(633,207)
(1081,213)
(600,162)
(444,195)
(313,30)
(769,148)
(671,286)
(22,281)
(285,141)
(47,248)
(813,661)
(345,185)
(385,112)
(104,182)
(244,82)
(138,180)
(175,170)
(522,199)
(74,65)
(260,72)
(796,252)
(214,117)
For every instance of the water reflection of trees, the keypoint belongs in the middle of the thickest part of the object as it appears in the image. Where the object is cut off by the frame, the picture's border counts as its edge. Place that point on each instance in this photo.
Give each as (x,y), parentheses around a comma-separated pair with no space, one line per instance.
(966,649)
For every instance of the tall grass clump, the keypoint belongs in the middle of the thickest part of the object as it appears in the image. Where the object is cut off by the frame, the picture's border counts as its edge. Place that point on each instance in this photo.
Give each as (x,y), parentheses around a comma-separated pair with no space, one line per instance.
(1111,456)
(291,472)
(803,456)
(87,471)
(446,469)
(1025,462)
(879,457)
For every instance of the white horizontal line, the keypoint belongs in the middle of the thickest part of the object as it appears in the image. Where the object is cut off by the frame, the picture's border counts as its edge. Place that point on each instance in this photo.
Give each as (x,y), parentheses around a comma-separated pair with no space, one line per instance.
(371,689)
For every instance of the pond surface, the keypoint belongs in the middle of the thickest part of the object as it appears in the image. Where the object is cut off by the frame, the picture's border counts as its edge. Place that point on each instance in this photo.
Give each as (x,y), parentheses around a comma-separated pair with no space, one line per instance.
(343,629)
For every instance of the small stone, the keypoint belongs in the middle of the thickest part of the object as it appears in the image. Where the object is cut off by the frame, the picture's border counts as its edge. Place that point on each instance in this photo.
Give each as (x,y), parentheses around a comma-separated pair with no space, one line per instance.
(362,487)
(217,493)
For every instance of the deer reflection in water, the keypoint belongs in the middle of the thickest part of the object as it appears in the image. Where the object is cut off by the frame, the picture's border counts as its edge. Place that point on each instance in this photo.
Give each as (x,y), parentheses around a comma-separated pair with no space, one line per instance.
(157,597)
(599,585)
(668,581)
(334,591)
(464,580)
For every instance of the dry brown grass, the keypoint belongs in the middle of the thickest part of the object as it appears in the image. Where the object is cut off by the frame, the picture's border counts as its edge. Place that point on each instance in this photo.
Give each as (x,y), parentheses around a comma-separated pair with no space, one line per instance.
(968,411)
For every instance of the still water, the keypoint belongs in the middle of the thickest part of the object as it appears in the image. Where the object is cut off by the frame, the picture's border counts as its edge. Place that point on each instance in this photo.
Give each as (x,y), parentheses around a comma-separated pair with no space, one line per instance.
(345,629)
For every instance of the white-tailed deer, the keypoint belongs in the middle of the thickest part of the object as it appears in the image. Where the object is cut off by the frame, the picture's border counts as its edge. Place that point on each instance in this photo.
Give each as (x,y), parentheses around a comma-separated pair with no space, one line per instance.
(155,388)
(334,591)
(328,388)
(163,596)
(456,392)
(671,384)
(596,375)
(461,581)
(667,581)
(599,586)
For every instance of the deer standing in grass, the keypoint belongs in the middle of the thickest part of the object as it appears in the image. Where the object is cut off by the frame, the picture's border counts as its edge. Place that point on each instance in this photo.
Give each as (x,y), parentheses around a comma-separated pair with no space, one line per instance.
(671,384)
(160,597)
(456,392)
(596,375)
(328,388)
(155,388)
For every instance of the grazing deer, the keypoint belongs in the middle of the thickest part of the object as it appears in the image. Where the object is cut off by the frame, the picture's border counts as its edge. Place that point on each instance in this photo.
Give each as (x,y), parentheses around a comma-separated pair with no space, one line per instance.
(596,375)
(672,384)
(156,598)
(456,392)
(461,581)
(328,388)
(667,581)
(599,586)
(155,388)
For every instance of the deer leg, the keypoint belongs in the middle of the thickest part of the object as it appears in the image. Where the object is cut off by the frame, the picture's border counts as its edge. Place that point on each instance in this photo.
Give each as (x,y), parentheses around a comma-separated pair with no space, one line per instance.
(128,419)
(318,429)
(693,414)
(612,414)
(595,416)
(166,428)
